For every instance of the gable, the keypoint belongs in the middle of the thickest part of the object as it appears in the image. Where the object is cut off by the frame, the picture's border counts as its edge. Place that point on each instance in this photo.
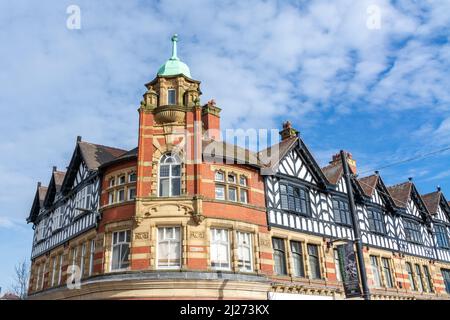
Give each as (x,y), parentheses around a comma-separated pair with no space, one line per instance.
(293,165)
(441,215)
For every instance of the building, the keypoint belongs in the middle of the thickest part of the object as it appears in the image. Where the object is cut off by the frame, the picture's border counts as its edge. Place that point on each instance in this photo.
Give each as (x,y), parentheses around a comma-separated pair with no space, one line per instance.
(187,216)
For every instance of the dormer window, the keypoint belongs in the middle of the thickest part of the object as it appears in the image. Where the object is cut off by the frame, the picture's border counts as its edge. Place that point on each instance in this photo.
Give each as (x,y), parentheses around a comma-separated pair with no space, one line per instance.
(171,96)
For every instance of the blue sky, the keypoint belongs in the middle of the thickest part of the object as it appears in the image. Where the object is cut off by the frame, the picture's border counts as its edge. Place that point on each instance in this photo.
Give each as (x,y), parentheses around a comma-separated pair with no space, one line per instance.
(383,94)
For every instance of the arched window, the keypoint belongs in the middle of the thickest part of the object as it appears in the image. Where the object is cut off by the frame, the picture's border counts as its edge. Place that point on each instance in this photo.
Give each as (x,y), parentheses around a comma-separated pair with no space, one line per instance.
(169,175)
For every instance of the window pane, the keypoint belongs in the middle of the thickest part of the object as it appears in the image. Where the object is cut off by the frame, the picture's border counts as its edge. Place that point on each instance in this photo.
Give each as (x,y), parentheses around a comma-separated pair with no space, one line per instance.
(279,256)
(243,180)
(164,171)
(232,194)
(314,263)
(219,176)
(171,96)
(231,178)
(243,196)
(164,187)
(220,192)
(375,270)
(176,186)
(176,170)
(297,257)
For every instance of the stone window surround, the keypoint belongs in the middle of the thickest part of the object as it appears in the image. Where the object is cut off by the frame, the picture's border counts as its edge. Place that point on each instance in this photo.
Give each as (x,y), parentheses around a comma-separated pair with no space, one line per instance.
(304,244)
(237,173)
(126,186)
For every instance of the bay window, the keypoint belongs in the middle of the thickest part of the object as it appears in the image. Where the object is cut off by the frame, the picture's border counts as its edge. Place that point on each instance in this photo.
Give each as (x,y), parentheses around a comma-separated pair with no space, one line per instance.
(294,198)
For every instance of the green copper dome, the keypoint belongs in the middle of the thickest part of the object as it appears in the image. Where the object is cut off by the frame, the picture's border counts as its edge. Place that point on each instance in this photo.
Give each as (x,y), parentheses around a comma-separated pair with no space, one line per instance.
(174,65)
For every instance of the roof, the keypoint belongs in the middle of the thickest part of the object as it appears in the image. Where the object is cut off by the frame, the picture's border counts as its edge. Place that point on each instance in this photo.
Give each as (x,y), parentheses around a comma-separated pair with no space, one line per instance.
(42,191)
(174,66)
(59,178)
(10,296)
(400,193)
(333,172)
(214,150)
(432,201)
(368,184)
(94,155)
(273,154)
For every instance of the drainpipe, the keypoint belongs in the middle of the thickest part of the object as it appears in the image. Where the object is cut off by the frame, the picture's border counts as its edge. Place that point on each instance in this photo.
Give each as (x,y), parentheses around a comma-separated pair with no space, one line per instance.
(356,230)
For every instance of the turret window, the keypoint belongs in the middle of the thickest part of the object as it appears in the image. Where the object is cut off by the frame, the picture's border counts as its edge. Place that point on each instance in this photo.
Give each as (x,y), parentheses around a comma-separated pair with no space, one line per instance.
(170,176)
(171,96)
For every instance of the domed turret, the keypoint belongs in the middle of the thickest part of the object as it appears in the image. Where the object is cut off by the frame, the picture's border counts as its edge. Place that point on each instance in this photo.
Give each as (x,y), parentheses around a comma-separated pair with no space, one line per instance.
(174,66)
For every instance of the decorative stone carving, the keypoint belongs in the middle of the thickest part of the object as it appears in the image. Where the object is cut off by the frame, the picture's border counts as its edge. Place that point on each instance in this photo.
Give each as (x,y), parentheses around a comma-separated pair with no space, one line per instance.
(141,235)
(197,235)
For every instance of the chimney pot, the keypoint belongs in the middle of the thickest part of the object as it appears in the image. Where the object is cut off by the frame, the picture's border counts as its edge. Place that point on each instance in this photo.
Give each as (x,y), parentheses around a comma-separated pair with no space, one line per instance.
(351,162)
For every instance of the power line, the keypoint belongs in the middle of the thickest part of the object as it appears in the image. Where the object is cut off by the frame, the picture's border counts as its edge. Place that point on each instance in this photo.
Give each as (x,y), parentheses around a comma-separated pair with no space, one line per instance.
(397,200)
(425,155)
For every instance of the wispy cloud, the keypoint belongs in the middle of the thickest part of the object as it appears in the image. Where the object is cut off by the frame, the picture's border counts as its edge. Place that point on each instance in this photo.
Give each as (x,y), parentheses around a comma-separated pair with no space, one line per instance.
(383,94)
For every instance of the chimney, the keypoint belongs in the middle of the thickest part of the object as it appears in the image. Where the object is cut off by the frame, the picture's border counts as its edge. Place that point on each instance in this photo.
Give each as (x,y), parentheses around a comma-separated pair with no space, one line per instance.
(211,119)
(288,131)
(351,163)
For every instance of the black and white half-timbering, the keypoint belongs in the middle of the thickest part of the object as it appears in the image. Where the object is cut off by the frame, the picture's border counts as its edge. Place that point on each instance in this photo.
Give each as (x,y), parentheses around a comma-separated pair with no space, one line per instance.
(305,198)
(70,203)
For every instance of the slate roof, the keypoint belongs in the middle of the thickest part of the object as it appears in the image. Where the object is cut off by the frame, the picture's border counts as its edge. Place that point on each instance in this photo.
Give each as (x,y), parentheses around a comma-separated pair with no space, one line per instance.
(271,156)
(214,150)
(333,172)
(432,201)
(42,191)
(59,178)
(368,184)
(400,193)
(95,155)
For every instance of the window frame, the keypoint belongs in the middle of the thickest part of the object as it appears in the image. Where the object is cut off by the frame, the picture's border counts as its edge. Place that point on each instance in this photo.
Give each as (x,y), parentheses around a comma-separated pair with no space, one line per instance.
(387,272)
(169,241)
(219,242)
(317,268)
(127,232)
(281,252)
(169,91)
(91,257)
(341,212)
(411,276)
(421,284)
(441,233)
(376,272)
(300,200)
(170,177)
(297,255)
(413,232)
(375,218)
(428,279)
(239,236)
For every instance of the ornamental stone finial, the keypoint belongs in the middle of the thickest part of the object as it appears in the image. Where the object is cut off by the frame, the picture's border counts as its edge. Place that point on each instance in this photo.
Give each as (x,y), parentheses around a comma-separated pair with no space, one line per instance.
(174,47)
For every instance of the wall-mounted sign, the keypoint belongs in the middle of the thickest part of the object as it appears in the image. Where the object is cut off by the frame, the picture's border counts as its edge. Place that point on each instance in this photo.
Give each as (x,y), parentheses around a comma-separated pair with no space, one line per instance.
(349,269)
